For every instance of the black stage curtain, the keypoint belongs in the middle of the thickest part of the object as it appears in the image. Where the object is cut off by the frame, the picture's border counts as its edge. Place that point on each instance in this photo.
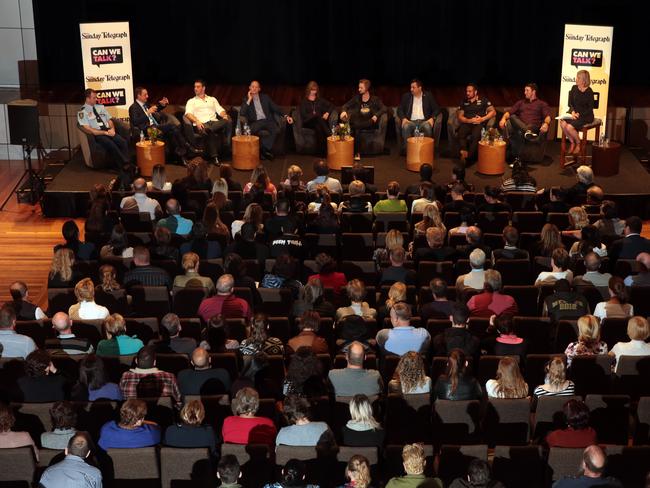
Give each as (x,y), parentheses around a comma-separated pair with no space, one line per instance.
(443,42)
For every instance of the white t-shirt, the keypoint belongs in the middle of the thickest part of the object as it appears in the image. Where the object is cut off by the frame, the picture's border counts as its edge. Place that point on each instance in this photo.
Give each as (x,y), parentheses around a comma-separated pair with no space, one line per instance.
(89,311)
(204,109)
(551,277)
(601,310)
(632,348)
(416,112)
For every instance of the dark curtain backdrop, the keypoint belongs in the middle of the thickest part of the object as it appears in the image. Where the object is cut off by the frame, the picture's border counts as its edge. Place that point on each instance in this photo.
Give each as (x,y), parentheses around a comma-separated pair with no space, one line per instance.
(444,42)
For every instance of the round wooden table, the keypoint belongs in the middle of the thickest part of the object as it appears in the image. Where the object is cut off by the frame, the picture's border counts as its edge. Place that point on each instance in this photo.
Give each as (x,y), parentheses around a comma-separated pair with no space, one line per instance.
(245,152)
(604,159)
(148,155)
(491,158)
(340,153)
(419,150)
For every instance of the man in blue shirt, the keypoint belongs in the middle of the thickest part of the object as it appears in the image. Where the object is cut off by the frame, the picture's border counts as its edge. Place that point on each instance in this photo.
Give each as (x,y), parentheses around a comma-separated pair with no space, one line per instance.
(12,344)
(403,337)
(175,222)
(73,471)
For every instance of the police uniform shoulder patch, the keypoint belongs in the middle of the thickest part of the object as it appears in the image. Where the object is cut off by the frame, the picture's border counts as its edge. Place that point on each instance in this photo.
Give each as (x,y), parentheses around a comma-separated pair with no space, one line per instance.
(80,114)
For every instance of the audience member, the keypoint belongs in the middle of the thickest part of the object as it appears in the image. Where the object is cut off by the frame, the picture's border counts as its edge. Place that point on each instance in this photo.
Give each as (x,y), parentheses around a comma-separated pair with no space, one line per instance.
(94,382)
(308,335)
(493,204)
(591,472)
(25,310)
(73,470)
(117,342)
(191,431)
(12,344)
(356,291)
(229,471)
(588,343)
(354,328)
(171,340)
(478,476)
(509,383)
(556,382)
(64,422)
(132,430)
(617,306)
(43,382)
(403,337)
(304,375)
(577,432)
(550,239)
(491,301)
(244,426)
(143,203)
(163,248)
(322,178)
(354,378)
(312,298)
(456,383)
(83,251)
(63,272)
(200,244)
(578,192)
(510,249)
(117,246)
(147,381)
(175,222)
(560,262)
(294,473)
(414,462)
(643,278)
(224,303)
(474,238)
(475,279)
(392,202)
(357,472)
(10,439)
(426,176)
(427,197)
(435,249)
(457,336)
(590,241)
(564,303)
(203,379)
(610,225)
(410,378)
(638,331)
(327,274)
(362,430)
(397,272)
(259,340)
(143,273)
(66,342)
(506,342)
(301,431)
(358,201)
(632,244)
(593,275)
(86,308)
(440,307)
(578,220)
(557,201)
(192,278)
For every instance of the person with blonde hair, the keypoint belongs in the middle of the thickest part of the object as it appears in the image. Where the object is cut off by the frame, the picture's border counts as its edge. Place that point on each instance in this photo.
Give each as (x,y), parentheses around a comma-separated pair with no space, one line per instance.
(550,239)
(192,278)
(86,308)
(410,378)
(578,220)
(556,382)
(254,214)
(362,430)
(394,238)
(62,271)
(509,382)
(312,298)
(396,294)
(588,343)
(435,250)
(638,331)
(117,342)
(358,201)
(108,278)
(430,218)
(358,472)
(581,109)
(294,178)
(618,305)
(356,290)
(244,426)
(414,462)
(191,431)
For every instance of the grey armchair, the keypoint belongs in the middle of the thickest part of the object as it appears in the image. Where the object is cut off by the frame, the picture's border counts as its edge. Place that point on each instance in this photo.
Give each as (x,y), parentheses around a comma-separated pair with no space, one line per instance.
(437,127)
(373,141)
(304,137)
(94,155)
(279,146)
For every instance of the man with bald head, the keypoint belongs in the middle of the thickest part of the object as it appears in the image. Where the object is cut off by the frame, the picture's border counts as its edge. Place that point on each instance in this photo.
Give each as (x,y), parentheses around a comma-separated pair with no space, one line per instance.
(66,343)
(593,275)
(591,473)
(143,273)
(224,302)
(643,278)
(354,379)
(175,222)
(203,379)
(140,200)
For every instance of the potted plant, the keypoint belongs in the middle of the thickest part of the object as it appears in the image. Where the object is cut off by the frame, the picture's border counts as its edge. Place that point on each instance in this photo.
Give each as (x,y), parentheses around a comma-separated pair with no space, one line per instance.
(153,134)
(342,130)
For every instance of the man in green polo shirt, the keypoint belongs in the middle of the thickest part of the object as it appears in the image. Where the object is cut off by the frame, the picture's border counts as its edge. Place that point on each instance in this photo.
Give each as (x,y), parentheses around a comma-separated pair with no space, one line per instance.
(391,203)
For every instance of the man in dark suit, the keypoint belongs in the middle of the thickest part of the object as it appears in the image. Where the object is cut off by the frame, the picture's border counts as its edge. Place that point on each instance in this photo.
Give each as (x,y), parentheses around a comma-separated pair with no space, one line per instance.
(632,244)
(474,238)
(417,110)
(259,109)
(142,116)
(510,249)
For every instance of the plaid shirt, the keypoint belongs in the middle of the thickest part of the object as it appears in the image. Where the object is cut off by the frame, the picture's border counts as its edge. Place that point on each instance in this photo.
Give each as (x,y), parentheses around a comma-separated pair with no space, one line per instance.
(149,383)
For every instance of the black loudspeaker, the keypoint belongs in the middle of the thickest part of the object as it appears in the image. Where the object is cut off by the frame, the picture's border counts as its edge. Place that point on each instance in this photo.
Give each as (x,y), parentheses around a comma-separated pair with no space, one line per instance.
(23,122)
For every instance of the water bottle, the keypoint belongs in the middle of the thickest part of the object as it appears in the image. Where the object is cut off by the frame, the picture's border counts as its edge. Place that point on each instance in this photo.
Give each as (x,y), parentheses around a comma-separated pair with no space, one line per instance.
(333,129)
(238,130)
(421,134)
(247,130)
(483,134)
(141,136)
(602,140)
(416,132)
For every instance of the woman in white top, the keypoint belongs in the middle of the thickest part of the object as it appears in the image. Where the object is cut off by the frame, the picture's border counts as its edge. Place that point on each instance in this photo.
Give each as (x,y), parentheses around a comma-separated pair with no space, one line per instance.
(560,262)
(253,214)
(86,309)
(577,221)
(638,331)
(509,382)
(590,241)
(617,306)
(556,382)
(356,292)
(410,377)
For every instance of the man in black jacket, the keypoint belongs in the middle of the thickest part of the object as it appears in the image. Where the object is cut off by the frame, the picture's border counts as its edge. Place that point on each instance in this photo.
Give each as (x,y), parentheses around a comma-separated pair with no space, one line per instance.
(632,244)
(417,110)
(363,111)
(259,109)
(142,116)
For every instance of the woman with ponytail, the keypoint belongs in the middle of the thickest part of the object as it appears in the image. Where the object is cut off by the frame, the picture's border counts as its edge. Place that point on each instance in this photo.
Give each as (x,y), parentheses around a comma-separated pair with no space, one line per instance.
(617,306)
(456,384)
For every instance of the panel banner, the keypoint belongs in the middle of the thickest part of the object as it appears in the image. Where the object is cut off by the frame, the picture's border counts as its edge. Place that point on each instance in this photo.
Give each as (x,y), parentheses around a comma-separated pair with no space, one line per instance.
(106,54)
(587,47)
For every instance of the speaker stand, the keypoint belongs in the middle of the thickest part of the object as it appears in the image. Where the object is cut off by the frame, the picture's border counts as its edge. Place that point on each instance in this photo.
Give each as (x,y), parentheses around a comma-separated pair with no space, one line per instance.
(35,184)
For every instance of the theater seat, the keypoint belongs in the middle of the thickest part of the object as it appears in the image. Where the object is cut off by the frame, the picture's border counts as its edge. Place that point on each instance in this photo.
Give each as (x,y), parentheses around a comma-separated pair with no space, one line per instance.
(18,466)
(185,464)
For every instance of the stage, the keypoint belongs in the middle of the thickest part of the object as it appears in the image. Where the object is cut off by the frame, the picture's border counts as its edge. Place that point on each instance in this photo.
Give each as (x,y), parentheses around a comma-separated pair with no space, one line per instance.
(67,194)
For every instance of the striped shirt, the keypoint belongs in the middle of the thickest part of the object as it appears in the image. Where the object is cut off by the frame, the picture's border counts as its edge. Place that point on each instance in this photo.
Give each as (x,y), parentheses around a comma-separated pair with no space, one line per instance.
(541,391)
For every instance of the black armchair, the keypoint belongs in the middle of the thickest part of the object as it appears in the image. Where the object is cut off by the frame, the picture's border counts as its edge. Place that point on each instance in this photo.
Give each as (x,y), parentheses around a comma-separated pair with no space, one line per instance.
(372,141)
(279,147)
(452,130)
(304,137)
(94,155)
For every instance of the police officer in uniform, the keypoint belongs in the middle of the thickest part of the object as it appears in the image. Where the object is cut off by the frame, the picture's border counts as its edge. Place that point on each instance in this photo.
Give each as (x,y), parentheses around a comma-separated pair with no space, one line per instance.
(94,119)
(473,114)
